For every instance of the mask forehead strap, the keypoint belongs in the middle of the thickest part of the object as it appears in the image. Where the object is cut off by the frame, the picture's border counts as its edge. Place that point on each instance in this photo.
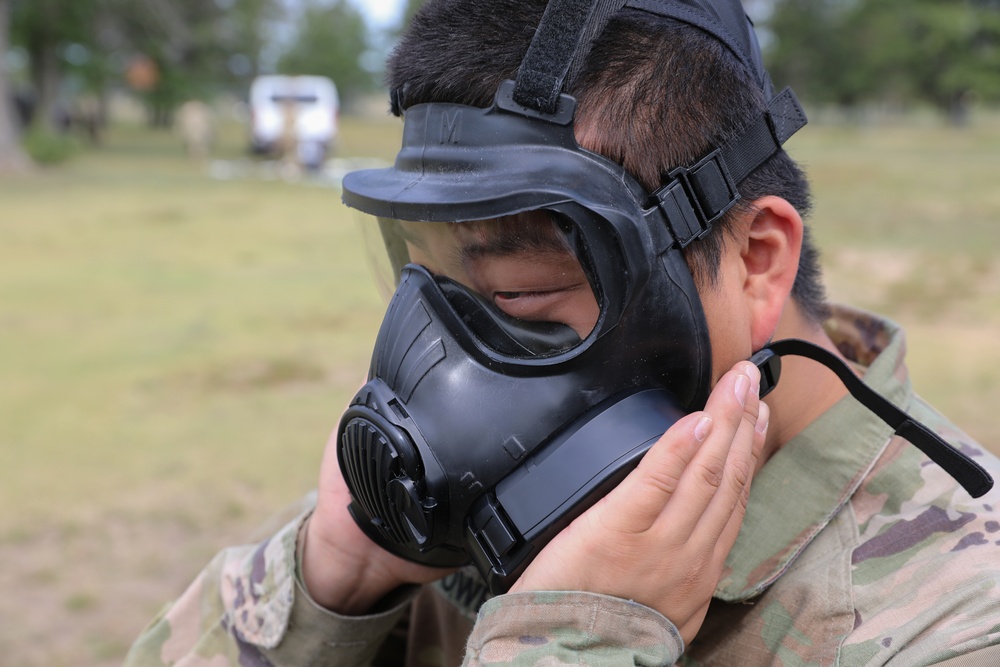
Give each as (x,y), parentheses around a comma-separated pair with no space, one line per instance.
(558,49)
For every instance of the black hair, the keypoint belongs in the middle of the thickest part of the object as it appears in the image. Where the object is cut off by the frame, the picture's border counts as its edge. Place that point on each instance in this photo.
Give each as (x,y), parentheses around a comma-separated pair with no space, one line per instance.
(653,94)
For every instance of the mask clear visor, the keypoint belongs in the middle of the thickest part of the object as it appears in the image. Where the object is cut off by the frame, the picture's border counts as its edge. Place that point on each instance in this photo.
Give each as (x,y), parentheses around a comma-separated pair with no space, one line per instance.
(522,283)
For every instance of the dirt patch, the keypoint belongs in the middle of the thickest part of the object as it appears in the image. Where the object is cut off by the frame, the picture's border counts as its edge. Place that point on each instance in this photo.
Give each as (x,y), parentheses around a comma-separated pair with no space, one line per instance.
(81,592)
(920,285)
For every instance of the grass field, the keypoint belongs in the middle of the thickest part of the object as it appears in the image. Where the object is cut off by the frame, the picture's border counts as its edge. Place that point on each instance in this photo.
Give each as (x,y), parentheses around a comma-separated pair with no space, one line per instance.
(174,349)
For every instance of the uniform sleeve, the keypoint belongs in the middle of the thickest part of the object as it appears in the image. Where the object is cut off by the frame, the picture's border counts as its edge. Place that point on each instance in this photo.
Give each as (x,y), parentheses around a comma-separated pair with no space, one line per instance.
(248,607)
(527,629)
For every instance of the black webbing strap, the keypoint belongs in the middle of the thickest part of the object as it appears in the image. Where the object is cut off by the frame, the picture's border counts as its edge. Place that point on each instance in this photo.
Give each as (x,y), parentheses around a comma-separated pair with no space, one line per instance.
(697,196)
(964,470)
(558,49)
(765,137)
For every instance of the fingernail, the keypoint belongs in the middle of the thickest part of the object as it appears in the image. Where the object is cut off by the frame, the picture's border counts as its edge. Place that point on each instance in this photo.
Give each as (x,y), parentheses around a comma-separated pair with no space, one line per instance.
(742,388)
(754,374)
(761,425)
(702,428)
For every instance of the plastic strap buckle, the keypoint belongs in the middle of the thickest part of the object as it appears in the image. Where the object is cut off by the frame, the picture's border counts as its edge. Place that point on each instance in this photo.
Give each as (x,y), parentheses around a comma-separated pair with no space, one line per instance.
(696,197)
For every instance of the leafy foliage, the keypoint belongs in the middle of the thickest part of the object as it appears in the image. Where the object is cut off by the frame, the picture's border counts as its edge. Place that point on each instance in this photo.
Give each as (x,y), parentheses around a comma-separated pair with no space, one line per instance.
(197,46)
(330,39)
(845,52)
(833,52)
(46,147)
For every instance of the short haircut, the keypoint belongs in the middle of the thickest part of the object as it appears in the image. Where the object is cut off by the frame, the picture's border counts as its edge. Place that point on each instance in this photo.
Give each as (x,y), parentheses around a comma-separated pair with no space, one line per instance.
(654,94)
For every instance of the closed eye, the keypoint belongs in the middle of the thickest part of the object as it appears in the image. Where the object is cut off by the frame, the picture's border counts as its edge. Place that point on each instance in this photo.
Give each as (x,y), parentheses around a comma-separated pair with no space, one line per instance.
(573,305)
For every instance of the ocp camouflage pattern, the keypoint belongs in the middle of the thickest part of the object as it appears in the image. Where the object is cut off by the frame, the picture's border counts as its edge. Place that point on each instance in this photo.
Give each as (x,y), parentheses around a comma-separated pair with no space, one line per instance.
(856,550)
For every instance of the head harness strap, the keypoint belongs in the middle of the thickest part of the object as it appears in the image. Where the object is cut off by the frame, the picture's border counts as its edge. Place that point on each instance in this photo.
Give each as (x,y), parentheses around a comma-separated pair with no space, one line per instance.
(697,196)
(558,49)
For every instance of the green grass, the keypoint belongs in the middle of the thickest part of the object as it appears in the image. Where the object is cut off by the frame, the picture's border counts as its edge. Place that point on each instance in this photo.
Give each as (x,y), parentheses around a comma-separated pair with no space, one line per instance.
(151,313)
(175,349)
(931,188)
(907,217)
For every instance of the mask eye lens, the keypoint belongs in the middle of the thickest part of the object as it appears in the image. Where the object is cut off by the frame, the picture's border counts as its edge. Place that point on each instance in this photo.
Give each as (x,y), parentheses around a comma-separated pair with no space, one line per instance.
(386,252)
(523,271)
(504,334)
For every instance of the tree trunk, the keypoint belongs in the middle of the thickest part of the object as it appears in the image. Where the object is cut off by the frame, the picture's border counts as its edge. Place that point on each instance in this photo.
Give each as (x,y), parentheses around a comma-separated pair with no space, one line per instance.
(958,109)
(45,75)
(12,158)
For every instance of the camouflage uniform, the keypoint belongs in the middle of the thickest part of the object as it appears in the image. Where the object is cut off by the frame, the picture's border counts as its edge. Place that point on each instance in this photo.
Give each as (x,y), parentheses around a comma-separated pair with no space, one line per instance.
(856,550)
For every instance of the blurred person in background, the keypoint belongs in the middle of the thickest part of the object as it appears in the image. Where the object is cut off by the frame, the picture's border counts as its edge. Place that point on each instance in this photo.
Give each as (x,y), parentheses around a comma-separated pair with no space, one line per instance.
(196,125)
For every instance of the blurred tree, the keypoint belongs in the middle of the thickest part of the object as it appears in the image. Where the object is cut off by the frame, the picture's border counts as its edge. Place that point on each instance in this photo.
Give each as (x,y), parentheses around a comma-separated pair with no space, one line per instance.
(329,42)
(845,52)
(12,158)
(192,47)
(942,52)
(45,28)
(814,53)
(198,47)
(250,26)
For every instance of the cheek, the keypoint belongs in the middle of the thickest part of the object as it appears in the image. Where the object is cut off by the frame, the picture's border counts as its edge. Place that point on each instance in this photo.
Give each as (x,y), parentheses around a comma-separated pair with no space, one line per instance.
(728,325)
(580,312)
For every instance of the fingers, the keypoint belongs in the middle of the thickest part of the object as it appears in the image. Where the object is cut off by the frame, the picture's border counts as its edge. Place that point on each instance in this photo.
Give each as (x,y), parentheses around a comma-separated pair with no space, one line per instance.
(739,463)
(661,537)
(705,459)
(727,538)
(720,471)
(658,475)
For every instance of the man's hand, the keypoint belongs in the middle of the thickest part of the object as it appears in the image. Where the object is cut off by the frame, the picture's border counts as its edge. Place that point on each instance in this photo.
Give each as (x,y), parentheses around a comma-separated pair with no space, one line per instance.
(662,536)
(342,568)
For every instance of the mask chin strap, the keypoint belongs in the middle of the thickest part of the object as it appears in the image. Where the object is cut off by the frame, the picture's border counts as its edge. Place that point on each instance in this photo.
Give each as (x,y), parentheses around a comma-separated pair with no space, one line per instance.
(964,470)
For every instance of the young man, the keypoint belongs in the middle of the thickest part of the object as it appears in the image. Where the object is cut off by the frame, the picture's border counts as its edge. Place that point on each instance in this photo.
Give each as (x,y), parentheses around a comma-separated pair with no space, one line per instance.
(538,271)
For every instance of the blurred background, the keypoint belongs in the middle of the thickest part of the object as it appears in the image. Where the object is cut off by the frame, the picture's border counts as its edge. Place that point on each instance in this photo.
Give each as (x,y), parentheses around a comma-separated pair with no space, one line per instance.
(186,307)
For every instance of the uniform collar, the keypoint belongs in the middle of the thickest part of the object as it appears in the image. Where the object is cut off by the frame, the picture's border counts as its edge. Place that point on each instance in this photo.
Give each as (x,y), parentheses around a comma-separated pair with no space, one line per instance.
(802,487)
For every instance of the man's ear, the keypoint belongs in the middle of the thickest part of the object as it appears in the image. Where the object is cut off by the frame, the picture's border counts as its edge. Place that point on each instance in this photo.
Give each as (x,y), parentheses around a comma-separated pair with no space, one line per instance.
(770,254)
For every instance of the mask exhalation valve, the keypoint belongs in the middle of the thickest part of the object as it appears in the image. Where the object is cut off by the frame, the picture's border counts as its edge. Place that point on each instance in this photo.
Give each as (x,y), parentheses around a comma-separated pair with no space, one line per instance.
(383,469)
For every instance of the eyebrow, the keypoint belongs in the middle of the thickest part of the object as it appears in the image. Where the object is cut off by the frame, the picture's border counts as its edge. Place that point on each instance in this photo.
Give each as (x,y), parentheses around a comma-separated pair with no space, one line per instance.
(503,240)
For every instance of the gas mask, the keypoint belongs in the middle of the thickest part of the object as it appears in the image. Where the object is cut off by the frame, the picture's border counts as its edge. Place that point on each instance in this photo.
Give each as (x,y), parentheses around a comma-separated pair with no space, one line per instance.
(545,330)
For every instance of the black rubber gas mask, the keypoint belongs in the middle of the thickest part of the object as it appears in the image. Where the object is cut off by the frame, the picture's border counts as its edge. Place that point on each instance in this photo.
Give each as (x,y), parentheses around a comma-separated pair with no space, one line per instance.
(542,336)
(545,330)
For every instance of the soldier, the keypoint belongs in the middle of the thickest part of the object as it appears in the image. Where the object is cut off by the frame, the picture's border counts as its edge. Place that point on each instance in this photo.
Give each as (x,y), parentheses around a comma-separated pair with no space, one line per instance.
(196,127)
(595,226)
